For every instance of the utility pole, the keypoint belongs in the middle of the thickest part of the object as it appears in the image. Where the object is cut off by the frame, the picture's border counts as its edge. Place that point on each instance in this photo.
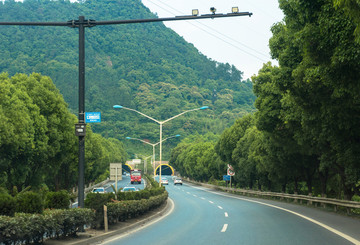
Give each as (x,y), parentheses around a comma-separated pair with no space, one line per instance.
(81,24)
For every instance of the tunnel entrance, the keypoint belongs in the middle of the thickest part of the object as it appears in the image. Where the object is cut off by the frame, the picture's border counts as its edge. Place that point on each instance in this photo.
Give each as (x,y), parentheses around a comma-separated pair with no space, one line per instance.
(166,169)
(126,167)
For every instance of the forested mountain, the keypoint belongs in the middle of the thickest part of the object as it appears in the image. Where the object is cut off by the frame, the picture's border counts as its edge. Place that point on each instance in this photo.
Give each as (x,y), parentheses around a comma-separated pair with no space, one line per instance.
(146,67)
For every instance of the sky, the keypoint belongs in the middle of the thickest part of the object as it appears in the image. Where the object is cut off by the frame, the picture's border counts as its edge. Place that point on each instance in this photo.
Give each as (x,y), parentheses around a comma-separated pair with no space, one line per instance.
(240,41)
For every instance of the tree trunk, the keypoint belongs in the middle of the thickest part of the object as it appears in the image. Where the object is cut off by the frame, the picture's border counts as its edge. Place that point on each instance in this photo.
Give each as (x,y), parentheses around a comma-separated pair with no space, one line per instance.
(347,188)
(309,185)
(296,186)
(324,175)
(283,186)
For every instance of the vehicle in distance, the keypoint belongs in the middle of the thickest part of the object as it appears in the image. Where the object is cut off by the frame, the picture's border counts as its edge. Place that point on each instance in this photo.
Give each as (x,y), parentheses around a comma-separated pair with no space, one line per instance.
(99,190)
(130,188)
(164,181)
(177,181)
(135,176)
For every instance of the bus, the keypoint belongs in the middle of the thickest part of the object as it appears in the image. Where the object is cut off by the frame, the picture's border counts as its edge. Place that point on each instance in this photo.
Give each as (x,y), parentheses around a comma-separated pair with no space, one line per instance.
(135,176)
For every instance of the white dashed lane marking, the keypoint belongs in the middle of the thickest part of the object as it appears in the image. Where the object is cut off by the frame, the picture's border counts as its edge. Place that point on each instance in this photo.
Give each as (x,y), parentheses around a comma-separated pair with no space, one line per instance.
(224,228)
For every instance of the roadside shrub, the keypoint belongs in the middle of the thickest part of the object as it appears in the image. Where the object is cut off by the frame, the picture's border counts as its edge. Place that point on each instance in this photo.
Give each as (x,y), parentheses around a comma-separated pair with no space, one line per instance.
(29,202)
(33,228)
(7,204)
(123,210)
(138,195)
(96,201)
(57,200)
(144,194)
(69,221)
(151,183)
(157,191)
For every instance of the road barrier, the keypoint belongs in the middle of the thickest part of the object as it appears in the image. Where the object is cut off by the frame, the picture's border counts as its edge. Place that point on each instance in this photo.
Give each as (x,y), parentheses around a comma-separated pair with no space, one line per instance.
(310,200)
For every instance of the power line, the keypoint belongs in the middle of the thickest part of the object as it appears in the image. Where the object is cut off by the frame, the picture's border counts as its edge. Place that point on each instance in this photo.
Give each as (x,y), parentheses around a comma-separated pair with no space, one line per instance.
(214,30)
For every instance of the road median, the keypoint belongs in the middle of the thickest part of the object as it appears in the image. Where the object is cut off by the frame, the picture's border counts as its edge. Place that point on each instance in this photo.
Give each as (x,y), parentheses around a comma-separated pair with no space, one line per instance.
(93,236)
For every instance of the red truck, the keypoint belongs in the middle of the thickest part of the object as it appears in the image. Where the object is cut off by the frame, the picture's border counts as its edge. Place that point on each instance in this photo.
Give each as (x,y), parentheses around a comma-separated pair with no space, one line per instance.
(135,176)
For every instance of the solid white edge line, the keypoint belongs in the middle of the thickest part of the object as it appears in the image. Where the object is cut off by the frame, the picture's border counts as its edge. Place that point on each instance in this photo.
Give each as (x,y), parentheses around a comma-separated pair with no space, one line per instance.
(143,226)
(224,228)
(339,233)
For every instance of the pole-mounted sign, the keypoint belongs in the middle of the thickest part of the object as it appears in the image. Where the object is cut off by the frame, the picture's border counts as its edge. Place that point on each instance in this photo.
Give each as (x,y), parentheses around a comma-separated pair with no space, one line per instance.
(92,117)
(230,170)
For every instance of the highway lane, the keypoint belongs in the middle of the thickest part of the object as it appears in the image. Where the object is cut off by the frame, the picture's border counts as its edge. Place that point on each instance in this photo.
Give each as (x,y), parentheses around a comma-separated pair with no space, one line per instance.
(204,217)
(125,182)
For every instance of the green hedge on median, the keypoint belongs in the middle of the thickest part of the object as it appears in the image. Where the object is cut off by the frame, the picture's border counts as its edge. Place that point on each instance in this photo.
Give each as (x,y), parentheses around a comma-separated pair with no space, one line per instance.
(130,204)
(26,228)
(123,210)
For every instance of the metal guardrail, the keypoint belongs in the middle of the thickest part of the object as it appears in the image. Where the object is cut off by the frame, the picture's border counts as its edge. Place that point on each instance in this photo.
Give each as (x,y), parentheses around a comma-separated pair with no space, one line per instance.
(309,199)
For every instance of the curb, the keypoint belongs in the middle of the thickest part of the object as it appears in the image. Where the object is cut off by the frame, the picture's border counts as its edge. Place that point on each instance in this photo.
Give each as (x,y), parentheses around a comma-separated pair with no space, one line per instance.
(99,236)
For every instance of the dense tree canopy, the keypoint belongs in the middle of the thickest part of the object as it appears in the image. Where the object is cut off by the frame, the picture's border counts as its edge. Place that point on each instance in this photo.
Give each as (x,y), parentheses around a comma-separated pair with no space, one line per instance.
(304,137)
(37,140)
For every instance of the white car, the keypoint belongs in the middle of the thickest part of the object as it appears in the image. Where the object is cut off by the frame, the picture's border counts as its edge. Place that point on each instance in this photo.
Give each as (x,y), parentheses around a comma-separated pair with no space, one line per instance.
(130,188)
(164,181)
(99,190)
(178,181)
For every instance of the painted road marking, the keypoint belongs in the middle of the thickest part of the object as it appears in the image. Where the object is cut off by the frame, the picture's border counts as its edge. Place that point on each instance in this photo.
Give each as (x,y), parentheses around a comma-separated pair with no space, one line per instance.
(220,207)
(195,195)
(224,228)
(188,193)
(339,233)
(226,214)
(203,198)
(211,202)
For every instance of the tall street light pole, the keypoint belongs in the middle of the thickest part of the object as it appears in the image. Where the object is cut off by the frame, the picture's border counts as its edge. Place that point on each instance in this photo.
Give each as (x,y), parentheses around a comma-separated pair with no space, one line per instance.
(160,123)
(82,23)
(153,145)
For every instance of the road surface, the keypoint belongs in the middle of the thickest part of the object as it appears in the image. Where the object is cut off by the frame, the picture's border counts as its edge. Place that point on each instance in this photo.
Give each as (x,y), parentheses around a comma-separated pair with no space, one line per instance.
(203,216)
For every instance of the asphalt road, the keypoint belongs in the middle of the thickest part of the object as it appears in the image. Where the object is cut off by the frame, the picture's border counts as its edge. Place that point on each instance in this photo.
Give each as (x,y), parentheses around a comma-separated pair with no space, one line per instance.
(125,182)
(202,216)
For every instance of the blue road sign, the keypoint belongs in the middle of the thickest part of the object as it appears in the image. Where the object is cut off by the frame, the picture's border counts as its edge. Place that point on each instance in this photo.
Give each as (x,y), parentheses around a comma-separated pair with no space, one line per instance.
(92,117)
(226,177)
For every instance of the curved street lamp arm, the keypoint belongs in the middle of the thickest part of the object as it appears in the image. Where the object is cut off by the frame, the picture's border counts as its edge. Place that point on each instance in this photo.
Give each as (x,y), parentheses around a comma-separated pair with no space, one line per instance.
(179,115)
(165,139)
(141,114)
(142,141)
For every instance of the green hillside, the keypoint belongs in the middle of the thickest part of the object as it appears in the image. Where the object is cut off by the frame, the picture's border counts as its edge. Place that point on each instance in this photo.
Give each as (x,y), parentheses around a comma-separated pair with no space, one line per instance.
(147,67)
